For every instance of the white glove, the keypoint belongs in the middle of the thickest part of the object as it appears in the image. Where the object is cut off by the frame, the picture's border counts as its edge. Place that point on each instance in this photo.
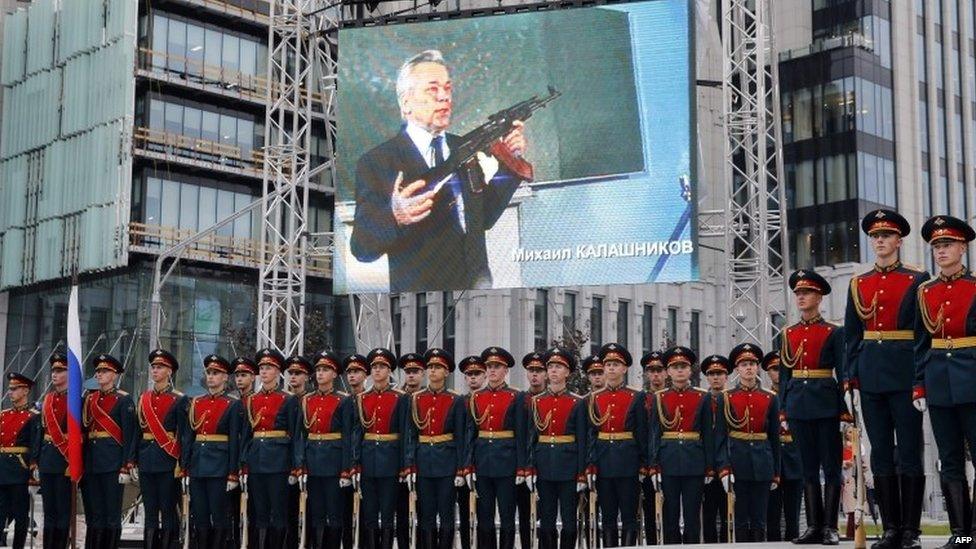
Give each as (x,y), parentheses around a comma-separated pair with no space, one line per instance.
(458,481)
(185,481)
(344,483)
(773,485)
(641,477)
(33,489)
(581,486)
(709,479)
(243,480)
(656,481)
(232,485)
(36,474)
(134,472)
(784,426)
(727,482)
(303,482)
(471,479)
(354,479)
(292,480)
(519,480)
(530,482)
(852,398)
(411,479)
(125,478)
(591,481)
(919,404)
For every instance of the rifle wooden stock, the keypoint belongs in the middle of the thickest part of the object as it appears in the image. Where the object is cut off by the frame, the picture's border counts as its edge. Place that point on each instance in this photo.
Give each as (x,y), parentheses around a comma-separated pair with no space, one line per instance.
(659,515)
(473,517)
(244,525)
(185,504)
(302,517)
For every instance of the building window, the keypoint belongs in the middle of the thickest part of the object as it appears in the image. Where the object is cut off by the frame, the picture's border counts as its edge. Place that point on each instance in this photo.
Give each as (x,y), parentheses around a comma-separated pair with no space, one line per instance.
(180,205)
(448,320)
(421,342)
(596,325)
(623,324)
(186,47)
(569,313)
(694,335)
(671,337)
(647,329)
(541,319)
(397,317)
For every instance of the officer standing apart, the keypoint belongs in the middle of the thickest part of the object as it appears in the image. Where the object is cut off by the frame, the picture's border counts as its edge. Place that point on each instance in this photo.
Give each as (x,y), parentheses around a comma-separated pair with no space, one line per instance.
(324,450)
(655,377)
(497,438)
(751,418)
(210,455)
(557,451)
(377,453)
(267,460)
(434,455)
(474,377)
(160,412)
(18,426)
(49,456)
(813,355)
(715,523)
(109,423)
(784,501)
(945,383)
(879,333)
(617,452)
(683,450)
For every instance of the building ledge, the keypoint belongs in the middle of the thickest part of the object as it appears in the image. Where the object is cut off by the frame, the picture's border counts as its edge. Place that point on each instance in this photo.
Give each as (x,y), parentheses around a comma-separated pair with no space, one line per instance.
(223,250)
(257,13)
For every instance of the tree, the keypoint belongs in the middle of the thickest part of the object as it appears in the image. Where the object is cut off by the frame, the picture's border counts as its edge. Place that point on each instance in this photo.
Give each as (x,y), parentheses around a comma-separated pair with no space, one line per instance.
(318,334)
(575,340)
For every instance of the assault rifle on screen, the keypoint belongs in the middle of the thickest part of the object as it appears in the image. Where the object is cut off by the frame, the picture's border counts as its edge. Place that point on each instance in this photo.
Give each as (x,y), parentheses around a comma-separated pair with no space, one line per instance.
(487,138)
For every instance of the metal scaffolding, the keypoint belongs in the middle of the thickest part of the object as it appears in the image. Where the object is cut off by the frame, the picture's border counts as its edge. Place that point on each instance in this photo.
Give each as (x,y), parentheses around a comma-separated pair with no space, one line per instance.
(754,221)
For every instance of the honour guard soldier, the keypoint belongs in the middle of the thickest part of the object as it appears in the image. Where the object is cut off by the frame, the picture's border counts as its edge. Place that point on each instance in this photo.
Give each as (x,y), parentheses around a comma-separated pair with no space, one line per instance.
(474,377)
(557,451)
(879,335)
(298,370)
(49,456)
(355,369)
(945,383)
(267,459)
(715,503)
(784,501)
(751,417)
(109,423)
(245,370)
(160,412)
(535,374)
(324,451)
(377,451)
(593,370)
(413,378)
(813,355)
(434,456)
(210,455)
(497,441)
(617,454)
(655,377)
(19,425)
(683,447)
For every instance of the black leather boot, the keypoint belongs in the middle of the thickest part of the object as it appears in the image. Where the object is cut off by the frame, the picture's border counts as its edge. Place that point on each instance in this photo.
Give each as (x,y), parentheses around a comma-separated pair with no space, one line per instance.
(487,539)
(202,538)
(956,495)
(567,538)
(813,500)
(445,537)
(743,535)
(889,500)
(912,494)
(218,537)
(759,534)
(629,538)
(387,537)
(150,538)
(610,537)
(506,539)
(545,541)
(427,539)
(831,507)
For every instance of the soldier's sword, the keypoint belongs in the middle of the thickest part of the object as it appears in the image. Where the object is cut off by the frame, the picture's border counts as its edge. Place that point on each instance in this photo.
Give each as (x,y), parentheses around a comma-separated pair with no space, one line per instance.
(244,524)
(356,495)
(302,518)
(185,500)
(473,517)
(659,515)
(593,532)
(533,499)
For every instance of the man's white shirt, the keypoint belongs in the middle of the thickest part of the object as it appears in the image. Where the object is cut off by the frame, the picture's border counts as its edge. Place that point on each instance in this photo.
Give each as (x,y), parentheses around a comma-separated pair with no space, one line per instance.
(423,140)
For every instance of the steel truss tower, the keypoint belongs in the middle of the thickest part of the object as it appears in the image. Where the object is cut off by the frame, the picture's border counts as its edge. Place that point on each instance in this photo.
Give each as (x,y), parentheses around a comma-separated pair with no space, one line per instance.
(301,69)
(754,220)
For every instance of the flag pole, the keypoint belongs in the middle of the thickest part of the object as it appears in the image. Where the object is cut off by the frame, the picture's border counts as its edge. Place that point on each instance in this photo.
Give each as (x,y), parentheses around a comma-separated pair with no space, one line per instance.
(74,474)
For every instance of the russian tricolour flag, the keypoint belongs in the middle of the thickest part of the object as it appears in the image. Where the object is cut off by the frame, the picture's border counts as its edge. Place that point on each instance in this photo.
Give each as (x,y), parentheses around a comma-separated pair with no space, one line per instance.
(76,378)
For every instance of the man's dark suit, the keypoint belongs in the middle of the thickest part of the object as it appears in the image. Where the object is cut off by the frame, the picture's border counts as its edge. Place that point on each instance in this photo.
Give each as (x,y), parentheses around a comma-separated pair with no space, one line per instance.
(433,253)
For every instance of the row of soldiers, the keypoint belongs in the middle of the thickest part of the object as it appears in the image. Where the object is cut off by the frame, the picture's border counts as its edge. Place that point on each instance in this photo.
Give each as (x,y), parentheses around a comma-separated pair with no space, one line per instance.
(616,453)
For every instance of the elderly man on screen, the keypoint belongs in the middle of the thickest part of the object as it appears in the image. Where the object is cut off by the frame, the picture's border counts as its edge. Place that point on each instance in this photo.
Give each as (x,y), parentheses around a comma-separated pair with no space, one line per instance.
(433,235)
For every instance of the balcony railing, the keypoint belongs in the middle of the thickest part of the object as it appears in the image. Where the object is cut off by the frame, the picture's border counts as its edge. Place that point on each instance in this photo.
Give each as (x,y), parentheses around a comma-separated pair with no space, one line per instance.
(194,72)
(254,10)
(196,151)
(226,250)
